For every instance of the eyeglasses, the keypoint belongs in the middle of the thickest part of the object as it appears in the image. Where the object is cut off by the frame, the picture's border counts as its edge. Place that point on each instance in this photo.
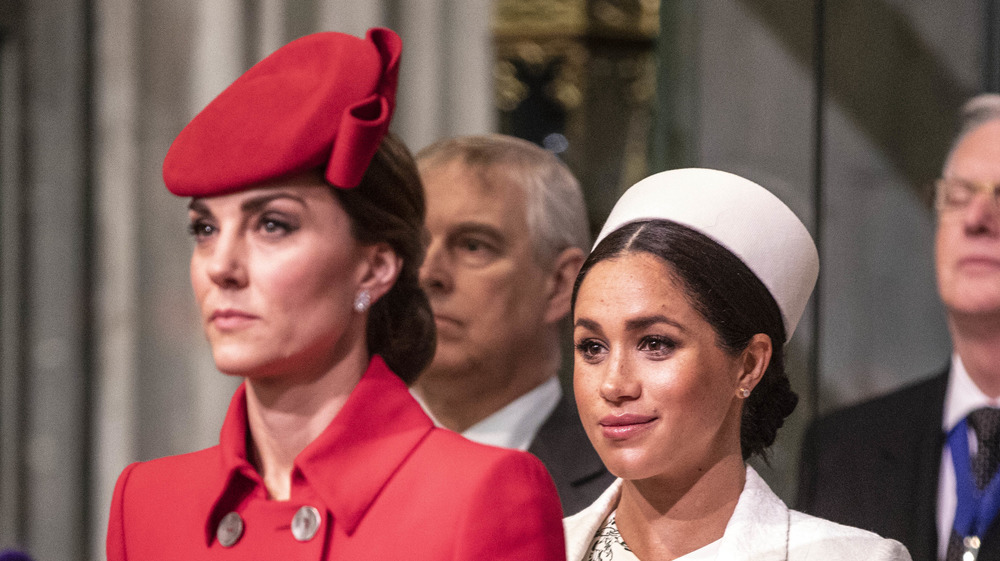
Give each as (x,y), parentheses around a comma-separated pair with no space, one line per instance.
(952,193)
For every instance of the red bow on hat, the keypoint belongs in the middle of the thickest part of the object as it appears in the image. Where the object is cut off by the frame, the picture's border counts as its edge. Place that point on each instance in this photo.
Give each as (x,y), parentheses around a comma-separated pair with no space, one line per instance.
(323,100)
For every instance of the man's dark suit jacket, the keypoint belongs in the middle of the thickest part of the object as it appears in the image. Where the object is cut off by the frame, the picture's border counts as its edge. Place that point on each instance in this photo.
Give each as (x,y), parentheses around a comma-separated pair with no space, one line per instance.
(562,445)
(875,466)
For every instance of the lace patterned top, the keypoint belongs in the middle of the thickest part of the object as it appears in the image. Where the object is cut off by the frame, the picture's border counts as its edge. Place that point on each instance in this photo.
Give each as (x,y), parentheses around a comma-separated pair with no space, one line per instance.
(608,545)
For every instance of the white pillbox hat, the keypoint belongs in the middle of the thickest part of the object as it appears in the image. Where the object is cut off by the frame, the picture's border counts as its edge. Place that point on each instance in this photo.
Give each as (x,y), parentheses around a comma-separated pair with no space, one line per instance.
(740,215)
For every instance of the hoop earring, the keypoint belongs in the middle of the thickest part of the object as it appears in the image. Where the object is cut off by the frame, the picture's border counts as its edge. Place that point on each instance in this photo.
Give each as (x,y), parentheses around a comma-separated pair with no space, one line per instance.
(362,301)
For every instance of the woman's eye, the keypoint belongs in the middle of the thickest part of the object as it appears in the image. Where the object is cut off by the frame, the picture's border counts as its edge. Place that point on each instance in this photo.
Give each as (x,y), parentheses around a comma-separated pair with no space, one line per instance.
(273,225)
(589,349)
(658,346)
(200,229)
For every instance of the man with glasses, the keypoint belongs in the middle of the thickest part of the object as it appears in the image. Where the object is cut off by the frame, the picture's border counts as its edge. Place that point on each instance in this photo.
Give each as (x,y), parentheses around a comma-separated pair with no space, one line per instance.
(920,464)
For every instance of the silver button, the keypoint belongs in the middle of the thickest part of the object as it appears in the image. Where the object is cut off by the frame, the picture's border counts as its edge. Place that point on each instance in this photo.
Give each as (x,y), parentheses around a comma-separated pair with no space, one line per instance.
(305,523)
(230,529)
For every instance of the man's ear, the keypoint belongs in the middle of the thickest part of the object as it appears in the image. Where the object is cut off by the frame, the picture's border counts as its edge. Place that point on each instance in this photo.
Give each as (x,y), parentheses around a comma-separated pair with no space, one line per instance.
(381,268)
(755,359)
(560,283)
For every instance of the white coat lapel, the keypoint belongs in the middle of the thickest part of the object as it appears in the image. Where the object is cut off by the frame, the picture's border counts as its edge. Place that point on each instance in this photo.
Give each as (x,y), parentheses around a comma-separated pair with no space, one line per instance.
(582,526)
(758,530)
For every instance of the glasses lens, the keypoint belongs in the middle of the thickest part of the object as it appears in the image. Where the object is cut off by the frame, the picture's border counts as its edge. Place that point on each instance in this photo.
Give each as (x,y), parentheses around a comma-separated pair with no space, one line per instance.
(954,193)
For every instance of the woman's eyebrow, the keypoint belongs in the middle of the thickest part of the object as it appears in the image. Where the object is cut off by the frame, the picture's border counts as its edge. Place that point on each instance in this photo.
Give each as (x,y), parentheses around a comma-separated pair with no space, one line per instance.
(254,204)
(248,206)
(640,323)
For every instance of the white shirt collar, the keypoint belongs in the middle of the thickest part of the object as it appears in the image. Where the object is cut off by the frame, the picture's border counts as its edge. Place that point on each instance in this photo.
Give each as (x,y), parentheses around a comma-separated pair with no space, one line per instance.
(963,396)
(517,423)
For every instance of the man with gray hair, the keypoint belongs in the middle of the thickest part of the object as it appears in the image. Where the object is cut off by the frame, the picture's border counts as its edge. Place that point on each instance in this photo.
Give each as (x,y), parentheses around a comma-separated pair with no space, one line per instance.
(508,234)
(920,464)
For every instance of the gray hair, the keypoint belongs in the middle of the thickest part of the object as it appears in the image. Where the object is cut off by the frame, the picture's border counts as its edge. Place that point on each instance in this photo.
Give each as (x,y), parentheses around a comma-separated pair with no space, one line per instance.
(555,213)
(978,111)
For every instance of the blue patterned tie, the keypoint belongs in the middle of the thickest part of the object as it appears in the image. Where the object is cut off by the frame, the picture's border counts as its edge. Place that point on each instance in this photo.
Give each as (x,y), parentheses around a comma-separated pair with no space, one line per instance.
(985,423)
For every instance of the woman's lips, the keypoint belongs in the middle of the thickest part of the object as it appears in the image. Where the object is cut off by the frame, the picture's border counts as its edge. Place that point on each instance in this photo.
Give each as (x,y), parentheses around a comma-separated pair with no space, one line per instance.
(229,319)
(622,427)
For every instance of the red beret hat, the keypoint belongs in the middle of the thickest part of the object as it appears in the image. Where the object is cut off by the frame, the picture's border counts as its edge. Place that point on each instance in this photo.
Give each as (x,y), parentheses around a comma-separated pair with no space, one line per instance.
(322,101)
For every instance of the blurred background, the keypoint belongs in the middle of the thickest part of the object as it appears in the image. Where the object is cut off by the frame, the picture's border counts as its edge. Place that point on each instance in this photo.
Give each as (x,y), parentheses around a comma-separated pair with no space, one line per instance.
(844,109)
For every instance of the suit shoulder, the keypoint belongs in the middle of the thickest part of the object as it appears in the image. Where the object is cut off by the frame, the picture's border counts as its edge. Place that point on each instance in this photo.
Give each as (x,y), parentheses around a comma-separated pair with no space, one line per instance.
(895,407)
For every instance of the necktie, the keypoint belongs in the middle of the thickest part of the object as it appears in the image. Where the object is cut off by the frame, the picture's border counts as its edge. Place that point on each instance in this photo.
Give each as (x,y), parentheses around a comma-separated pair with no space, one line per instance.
(985,424)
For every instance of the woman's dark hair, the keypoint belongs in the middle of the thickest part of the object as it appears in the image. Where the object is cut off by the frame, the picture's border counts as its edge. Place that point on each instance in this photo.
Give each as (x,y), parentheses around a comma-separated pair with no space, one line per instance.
(731,299)
(388,206)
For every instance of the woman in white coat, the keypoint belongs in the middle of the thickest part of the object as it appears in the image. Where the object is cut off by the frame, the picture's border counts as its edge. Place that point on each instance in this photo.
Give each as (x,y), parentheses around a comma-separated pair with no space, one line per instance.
(680,316)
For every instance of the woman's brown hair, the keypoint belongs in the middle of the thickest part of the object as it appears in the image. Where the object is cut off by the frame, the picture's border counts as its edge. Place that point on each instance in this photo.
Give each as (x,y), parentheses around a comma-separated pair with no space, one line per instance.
(388,206)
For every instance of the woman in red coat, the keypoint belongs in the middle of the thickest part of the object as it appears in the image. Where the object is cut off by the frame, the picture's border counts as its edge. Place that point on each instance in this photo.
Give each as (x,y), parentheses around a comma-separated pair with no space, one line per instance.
(307,219)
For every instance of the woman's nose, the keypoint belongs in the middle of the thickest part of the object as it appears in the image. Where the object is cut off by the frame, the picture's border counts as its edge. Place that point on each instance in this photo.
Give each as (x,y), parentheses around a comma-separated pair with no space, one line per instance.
(619,383)
(226,264)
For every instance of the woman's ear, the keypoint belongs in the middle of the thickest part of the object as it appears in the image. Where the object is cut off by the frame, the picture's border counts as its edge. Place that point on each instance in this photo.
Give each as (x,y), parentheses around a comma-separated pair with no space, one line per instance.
(755,357)
(381,268)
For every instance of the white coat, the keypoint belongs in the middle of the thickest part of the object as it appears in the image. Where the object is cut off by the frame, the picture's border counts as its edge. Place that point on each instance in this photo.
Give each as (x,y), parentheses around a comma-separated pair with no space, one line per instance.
(762,528)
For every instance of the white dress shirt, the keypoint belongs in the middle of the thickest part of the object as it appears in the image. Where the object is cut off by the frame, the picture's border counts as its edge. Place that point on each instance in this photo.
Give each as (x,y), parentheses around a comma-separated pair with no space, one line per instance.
(517,423)
(962,397)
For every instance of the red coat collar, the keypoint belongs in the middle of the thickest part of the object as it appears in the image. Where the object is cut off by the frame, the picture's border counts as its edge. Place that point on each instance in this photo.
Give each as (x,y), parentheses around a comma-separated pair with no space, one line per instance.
(349,462)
